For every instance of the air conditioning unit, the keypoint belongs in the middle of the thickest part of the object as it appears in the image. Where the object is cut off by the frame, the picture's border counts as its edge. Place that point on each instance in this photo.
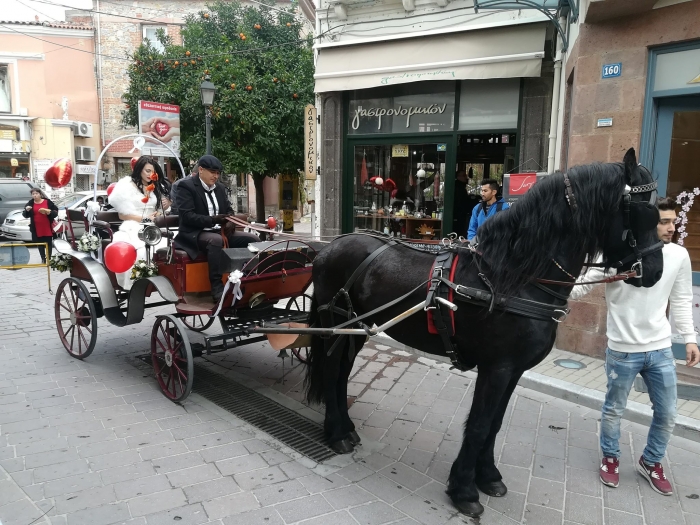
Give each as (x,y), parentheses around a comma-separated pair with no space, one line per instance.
(85,153)
(83,129)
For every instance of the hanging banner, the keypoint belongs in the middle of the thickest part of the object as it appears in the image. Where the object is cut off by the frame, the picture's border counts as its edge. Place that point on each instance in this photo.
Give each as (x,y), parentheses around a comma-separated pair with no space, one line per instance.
(162,121)
(310,142)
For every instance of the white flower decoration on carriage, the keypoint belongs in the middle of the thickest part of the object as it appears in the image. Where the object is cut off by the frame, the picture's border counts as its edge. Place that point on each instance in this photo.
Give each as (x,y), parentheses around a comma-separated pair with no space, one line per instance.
(142,270)
(91,210)
(88,243)
(60,262)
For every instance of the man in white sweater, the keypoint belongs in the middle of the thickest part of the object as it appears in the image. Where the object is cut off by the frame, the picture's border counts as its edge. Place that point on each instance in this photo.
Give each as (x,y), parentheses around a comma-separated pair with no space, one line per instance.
(639,342)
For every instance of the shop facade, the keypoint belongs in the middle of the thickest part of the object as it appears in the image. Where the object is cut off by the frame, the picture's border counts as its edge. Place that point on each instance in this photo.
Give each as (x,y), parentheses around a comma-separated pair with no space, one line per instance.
(638,73)
(395,129)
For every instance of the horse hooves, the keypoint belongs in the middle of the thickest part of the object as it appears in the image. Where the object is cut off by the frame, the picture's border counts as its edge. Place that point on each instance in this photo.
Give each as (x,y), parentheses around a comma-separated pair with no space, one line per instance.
(354,438)
(497,489)
(344,446)
(472,509)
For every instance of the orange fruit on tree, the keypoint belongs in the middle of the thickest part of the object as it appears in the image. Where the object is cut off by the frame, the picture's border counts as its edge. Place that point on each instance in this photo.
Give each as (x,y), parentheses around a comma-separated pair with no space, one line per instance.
(187,53)
(206,71)
(177,62)
(257,26)
(227,60)
(193,62)
(149,88)
(289,24)
(233,86)
(295,96)
(206,15)
(275,80)
(249,88)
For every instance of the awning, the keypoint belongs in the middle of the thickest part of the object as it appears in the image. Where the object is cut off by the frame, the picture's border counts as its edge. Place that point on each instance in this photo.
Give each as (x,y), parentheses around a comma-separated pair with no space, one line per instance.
(506,52)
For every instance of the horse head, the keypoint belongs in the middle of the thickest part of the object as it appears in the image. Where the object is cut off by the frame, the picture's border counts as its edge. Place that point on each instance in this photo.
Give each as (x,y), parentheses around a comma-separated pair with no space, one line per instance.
(632,242)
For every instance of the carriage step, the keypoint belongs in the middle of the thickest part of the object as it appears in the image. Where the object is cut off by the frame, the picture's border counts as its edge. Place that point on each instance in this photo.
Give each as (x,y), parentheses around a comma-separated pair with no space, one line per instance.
(292,429)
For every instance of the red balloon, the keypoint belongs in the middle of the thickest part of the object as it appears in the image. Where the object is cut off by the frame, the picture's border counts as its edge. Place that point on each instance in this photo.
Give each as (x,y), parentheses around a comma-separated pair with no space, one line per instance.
(271,223)
(134,160)
(119,256)
(59,174)
(110,188)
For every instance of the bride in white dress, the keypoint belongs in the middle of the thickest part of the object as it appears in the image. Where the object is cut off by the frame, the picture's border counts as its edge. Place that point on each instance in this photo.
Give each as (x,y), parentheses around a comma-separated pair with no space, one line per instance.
(135,204)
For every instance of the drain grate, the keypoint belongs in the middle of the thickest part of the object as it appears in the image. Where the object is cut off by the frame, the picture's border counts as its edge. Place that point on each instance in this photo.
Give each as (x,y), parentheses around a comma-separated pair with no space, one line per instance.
(295,431)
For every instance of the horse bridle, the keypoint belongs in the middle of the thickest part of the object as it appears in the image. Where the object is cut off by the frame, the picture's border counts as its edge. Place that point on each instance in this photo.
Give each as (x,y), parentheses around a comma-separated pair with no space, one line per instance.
(637,269)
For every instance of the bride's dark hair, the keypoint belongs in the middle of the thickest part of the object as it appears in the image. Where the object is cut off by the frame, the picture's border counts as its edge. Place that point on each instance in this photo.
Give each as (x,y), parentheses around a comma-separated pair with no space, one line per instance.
(161,185)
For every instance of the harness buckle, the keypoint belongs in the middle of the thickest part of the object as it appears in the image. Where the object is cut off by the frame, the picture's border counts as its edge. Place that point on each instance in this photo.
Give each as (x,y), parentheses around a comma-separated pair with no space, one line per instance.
(565,314)
(638,269)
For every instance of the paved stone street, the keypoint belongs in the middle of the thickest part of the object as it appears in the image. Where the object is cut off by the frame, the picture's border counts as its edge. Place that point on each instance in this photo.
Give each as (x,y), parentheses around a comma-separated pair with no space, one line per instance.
(95,442)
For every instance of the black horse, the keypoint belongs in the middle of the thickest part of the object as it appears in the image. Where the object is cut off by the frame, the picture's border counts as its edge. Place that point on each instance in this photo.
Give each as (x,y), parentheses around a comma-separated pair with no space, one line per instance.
(564,220)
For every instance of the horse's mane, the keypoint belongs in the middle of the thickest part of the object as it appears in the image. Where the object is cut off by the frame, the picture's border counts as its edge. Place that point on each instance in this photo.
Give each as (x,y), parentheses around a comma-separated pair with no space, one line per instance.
(519,243)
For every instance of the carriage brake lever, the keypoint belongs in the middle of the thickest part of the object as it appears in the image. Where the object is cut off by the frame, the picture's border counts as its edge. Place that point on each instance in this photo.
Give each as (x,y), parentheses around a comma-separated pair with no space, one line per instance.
(446,303)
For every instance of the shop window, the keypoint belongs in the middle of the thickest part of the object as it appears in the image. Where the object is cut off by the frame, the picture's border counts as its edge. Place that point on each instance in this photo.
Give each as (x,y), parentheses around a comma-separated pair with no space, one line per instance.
(490,104)
(5,98)
(150,33)
(424,107)
(409,200)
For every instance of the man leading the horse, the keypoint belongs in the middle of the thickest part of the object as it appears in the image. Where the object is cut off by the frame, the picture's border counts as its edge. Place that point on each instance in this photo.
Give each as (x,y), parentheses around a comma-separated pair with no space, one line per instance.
(204,209)
(639,342)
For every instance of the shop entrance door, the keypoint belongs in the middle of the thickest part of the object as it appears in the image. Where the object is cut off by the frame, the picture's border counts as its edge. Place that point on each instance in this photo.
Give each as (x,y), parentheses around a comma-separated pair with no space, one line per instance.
(399,189)
(677,161)
(479,156)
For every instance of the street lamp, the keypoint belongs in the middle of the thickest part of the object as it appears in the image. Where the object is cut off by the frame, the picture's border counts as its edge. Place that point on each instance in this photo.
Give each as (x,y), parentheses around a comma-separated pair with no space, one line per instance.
(207,90)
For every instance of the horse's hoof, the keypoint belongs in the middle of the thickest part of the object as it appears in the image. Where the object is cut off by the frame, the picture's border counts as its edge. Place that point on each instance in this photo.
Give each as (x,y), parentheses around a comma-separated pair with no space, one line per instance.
(344,446)
(497,489)
(472,509)
(354,438)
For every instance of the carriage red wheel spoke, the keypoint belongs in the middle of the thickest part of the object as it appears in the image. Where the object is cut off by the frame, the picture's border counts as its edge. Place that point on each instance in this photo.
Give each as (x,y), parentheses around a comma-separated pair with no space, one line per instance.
(172,357)
(80,333)
(161,345)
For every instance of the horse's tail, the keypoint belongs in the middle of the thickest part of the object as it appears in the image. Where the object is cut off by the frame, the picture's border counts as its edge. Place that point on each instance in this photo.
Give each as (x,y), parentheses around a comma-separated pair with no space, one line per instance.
(315,362)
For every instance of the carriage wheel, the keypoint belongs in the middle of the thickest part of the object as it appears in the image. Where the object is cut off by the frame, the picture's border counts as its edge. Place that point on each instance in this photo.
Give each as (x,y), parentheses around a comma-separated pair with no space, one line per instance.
(300,303)
(197,323)
(171,356)
(76,319)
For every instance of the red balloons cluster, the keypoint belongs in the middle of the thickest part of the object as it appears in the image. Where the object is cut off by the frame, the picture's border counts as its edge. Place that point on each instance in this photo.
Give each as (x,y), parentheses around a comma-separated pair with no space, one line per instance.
(119,256)
(59,174)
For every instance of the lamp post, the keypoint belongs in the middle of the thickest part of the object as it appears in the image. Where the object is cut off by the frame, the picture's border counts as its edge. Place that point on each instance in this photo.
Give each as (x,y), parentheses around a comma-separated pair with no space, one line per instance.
(207,90)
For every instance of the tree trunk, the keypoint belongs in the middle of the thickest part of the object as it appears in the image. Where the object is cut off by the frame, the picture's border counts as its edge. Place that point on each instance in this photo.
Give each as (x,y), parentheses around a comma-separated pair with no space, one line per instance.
(258,179)
(260,218)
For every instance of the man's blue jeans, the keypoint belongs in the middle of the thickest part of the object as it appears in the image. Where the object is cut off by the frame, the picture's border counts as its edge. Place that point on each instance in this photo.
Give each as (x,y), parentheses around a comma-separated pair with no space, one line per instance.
(658,369)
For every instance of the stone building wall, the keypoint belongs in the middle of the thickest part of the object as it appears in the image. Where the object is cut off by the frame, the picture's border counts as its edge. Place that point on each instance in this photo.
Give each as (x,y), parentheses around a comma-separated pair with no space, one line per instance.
(626,40)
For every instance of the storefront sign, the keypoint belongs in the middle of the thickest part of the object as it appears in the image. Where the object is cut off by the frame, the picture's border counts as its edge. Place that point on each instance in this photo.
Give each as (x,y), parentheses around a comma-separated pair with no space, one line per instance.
(605,122)
(310,142)
(515,185)
(402,111)
(612,70)
(442,147)
(399,150)
(85,169)
(10,134)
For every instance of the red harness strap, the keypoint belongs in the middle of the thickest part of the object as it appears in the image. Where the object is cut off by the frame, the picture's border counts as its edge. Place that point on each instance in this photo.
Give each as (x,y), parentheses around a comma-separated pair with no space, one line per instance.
(449,295)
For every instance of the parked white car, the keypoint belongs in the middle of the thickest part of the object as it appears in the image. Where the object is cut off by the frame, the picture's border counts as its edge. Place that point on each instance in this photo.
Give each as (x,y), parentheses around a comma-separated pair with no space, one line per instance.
(16,227)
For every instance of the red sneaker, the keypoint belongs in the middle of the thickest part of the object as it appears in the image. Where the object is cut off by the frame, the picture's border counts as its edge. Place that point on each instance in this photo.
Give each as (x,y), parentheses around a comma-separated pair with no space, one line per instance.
(656,477)
(610,471)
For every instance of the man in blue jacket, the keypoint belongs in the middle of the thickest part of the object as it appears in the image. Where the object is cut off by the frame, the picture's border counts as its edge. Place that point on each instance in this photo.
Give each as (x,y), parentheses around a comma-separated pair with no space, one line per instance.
(490,205)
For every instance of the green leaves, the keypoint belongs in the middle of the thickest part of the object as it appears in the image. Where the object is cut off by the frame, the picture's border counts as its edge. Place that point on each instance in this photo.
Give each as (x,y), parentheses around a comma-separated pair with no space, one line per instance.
(256,130)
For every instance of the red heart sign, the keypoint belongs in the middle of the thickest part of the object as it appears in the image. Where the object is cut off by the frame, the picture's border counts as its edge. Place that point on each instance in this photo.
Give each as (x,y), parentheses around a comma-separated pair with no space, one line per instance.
(59,174)
(162,128)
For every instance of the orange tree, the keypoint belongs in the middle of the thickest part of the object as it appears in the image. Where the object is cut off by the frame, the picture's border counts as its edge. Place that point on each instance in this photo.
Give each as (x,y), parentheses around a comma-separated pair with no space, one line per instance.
(262,66)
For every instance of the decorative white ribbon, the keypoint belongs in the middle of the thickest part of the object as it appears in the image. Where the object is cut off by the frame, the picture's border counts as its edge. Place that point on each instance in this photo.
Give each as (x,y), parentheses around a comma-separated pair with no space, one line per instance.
(91,210)
(234,278)
(138,144)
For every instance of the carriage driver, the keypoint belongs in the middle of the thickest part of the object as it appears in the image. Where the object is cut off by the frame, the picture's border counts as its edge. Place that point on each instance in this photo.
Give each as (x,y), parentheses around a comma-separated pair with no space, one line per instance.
(204,208)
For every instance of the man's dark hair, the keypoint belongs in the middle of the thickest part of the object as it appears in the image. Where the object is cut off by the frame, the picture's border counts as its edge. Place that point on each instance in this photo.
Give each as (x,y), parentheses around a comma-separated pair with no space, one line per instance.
(492,183)
(666,204)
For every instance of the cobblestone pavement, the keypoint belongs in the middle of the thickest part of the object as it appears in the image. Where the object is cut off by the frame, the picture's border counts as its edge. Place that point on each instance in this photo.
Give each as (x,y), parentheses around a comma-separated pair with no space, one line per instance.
(95,443)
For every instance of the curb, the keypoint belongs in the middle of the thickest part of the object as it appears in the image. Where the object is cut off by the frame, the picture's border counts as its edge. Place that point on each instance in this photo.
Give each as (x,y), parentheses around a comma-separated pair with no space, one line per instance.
(686,427)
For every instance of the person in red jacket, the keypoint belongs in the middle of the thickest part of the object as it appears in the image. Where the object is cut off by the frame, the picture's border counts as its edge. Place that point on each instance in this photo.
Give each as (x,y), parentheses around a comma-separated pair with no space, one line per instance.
(41,212)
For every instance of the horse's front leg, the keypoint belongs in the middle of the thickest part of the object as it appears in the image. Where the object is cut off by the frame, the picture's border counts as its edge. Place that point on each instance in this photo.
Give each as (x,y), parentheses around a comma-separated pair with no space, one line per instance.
(488,477)
(342,389)
(491,386)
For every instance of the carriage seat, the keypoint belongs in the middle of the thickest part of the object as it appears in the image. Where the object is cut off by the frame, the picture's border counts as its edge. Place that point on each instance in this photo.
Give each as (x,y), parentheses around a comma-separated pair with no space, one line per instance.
(179,256)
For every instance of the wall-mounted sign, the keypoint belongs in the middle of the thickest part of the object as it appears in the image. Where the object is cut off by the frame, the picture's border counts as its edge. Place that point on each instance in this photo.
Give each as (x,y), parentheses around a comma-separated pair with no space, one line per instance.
(85,169)
(398,111)
(515,185)
(612,70)
(10,134)
(604,122)
(14,163)
(310,142)
(399,150)
(442,147)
